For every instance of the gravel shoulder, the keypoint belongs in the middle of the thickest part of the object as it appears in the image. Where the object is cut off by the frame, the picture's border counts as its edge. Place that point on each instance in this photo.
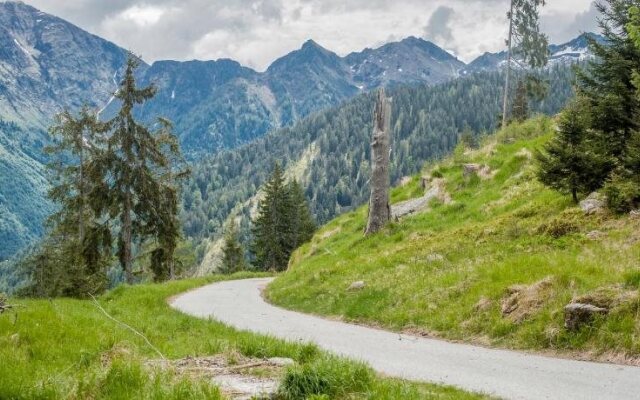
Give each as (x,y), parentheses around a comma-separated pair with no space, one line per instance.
(507,374)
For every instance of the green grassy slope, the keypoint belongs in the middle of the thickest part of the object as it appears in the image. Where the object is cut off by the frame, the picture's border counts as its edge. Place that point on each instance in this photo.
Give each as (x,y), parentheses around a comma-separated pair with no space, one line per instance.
(68,349)
(447,272)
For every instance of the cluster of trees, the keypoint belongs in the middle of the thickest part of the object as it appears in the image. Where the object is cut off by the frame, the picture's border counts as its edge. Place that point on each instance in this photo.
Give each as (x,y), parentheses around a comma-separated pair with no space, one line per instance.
(284,222)
(597,145)
(330,149)
(113,181)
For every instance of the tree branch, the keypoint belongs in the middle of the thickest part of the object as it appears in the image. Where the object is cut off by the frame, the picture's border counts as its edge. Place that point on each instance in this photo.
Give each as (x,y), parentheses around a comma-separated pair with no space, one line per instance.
(126,326)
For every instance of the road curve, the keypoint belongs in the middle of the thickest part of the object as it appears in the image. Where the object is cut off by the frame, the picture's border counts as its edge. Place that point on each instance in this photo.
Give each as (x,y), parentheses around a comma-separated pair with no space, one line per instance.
(507,374)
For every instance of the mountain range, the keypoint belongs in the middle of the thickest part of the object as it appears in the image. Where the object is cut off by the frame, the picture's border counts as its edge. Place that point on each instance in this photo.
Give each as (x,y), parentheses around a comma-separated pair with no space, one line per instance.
(47,64)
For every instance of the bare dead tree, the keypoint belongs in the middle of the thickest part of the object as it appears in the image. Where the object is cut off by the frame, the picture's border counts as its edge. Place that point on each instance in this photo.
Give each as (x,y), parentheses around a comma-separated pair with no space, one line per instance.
(379,209)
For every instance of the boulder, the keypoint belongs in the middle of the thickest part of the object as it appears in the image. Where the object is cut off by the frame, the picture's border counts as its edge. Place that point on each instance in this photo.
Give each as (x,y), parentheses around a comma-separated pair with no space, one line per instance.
(579,314)
(593,204)
(436,190)
(357,285)
(435,257)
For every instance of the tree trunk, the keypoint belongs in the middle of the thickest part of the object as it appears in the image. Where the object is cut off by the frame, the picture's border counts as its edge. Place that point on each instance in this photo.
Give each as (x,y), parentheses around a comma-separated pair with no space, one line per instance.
(379,210)
(126,239)
(505,102)
(81,184)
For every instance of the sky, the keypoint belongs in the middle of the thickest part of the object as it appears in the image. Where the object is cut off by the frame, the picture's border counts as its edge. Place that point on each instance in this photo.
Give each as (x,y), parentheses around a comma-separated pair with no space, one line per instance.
(256,32)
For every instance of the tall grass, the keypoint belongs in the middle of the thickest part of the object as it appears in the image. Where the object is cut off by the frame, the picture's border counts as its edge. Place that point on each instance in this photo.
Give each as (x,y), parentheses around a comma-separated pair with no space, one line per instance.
(67,349)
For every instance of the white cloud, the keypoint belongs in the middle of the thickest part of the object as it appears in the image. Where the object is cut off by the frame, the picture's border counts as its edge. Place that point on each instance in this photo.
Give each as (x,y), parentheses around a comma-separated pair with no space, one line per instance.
(255,32)
(143,16)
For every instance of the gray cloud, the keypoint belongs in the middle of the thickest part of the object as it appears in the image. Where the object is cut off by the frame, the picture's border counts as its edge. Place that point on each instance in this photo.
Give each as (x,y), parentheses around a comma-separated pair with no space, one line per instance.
(438,29)
(255,32)
(560,30)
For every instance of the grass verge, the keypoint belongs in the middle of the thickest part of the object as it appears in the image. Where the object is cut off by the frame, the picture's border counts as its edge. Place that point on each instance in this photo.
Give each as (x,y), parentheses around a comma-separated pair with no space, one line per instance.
(67,349)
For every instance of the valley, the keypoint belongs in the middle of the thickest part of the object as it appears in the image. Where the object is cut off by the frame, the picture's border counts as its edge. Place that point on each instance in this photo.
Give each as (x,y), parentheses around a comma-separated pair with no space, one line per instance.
(316,200)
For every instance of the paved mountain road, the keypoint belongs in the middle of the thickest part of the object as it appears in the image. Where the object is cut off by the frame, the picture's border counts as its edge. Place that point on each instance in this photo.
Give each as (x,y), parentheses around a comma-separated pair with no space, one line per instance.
(507,374)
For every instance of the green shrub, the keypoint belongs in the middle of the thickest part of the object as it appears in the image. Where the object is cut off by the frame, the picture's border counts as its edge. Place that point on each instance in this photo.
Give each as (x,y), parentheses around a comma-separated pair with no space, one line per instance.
(558,227)
(325,377)
(623,195)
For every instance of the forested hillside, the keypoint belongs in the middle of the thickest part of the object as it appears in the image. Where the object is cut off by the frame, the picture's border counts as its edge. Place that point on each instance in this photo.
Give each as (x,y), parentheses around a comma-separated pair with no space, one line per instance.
(329,151)
(22,208)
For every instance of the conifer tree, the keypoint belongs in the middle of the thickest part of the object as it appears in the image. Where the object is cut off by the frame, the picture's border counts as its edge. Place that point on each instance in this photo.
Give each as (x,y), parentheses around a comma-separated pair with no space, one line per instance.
(608,81)
(524,40)
(72,259)
(570,162)
(233,258)
(302,223)
(142,187)
(520,108)
(271,229)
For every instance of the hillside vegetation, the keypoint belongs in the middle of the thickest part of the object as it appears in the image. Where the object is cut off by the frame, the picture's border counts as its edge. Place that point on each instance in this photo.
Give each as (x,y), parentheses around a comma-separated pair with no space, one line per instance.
(328,152)
(495,264)
(68,349)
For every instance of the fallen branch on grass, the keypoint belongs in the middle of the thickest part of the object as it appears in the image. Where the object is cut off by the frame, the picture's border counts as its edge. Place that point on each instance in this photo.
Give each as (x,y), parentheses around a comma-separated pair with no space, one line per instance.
(127,326)
(3,304)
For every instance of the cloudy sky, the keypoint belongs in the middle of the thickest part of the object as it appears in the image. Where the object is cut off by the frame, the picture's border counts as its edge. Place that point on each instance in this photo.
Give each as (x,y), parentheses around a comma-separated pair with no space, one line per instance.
(255,32)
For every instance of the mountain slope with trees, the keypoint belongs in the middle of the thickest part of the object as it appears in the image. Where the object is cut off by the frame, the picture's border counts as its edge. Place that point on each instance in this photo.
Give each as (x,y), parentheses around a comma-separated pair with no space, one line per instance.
(47,63)
(328,152)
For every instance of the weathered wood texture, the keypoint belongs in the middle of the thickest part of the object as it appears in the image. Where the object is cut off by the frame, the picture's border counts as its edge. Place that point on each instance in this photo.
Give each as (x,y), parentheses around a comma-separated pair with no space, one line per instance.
(379,210)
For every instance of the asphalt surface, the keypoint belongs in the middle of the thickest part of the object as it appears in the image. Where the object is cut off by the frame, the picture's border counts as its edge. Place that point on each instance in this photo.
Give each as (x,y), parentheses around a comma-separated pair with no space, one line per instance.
(506,374)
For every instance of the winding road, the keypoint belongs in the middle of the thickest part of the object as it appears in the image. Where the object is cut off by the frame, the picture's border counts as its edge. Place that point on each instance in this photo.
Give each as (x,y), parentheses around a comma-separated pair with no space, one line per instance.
(507,374)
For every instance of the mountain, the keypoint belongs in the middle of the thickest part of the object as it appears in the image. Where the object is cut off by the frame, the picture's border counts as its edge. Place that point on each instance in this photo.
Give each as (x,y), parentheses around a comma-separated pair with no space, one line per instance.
(411,60)
(576,50)
(47,64)
(219,105)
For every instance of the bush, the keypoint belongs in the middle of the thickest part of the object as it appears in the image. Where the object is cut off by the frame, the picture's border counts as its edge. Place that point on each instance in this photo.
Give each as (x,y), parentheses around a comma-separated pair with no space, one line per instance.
(558,228)
(623,195)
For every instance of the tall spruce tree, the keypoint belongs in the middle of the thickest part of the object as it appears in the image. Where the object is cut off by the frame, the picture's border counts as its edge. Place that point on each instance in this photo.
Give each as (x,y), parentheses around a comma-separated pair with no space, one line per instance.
(73,258)
(571,162)
(608,81)
(272,229)
(142,193)
(233,257)
(302,223)
(525,41)
(623,187)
